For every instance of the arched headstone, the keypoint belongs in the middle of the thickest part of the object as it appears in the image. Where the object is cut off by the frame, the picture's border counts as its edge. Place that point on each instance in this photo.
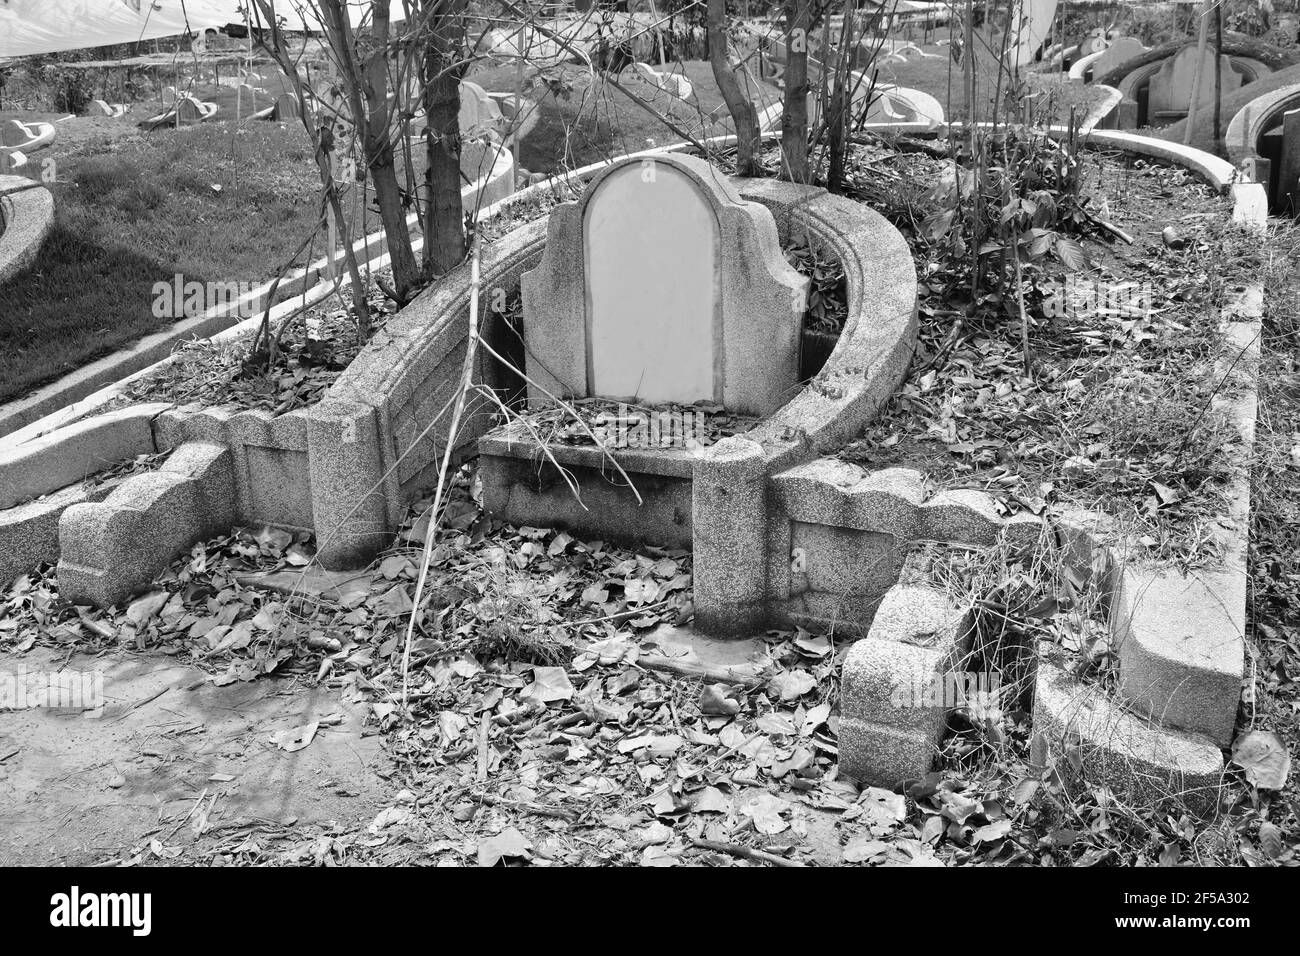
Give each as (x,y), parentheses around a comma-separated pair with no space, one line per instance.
(1117,54)
(286,108)
(188,110)
(479,113)
(662,285)
(1171,88)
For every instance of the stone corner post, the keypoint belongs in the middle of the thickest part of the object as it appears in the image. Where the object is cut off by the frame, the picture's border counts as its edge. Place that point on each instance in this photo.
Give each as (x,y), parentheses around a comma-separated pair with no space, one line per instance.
(729,531)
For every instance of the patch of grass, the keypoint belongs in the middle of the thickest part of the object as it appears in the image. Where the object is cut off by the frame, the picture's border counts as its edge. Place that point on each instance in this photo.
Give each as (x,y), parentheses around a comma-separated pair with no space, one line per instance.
(207,202)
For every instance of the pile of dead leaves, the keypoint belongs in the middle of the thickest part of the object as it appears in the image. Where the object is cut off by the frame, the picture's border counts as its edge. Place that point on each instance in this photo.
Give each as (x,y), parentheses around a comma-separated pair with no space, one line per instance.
(1117,406)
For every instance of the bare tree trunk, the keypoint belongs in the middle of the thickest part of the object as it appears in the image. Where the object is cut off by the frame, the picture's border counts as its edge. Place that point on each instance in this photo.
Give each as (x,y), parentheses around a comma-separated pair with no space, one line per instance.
(444,222)
(838,113)
(1218,76)
(366,88)
(321,131)
(381,162)
(794,118)
(740,106)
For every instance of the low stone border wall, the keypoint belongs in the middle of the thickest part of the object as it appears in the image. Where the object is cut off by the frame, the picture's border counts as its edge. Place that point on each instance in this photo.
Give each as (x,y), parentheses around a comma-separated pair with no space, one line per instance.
(47,464)
(26,218)
(1181,641)
(839,535)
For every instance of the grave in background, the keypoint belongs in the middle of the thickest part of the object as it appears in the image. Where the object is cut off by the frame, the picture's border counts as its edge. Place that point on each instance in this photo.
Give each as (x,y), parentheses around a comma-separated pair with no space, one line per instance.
(1172,87)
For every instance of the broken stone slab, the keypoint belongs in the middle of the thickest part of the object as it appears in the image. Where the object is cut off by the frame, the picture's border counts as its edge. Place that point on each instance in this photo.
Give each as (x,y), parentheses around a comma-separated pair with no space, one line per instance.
(1182,647)
(114,548)
(59,459)
(961,515)
(1093,740)
(898,683)
(312,582)
(833,492)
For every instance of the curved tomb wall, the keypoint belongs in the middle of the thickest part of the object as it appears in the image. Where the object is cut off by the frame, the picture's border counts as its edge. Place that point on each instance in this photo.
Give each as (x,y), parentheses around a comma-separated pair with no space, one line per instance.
(26,218)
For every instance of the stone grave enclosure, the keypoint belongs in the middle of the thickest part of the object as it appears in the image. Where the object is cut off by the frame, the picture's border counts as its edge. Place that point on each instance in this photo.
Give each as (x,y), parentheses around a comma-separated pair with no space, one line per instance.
(1159,93)
(1263,140)
(664,283)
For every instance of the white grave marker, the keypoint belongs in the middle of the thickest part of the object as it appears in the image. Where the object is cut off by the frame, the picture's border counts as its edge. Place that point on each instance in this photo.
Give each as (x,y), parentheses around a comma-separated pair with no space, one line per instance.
(662,285)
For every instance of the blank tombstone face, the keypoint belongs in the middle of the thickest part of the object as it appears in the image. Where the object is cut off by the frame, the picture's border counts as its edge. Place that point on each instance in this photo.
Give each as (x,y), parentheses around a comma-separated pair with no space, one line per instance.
(286,107)
(188,110)
(652,289)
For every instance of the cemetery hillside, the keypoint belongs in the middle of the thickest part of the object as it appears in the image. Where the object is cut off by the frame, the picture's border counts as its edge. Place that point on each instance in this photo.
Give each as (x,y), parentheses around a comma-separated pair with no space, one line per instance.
(664,433)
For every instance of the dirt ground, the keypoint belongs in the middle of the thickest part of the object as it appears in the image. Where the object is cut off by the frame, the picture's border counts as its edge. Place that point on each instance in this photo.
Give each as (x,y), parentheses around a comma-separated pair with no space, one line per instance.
(172,757)
(173,769)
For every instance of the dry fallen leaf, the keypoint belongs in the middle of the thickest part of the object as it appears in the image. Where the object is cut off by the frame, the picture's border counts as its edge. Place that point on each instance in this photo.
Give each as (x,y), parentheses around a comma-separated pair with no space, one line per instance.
(508,843)
(1262,754)
(296,739)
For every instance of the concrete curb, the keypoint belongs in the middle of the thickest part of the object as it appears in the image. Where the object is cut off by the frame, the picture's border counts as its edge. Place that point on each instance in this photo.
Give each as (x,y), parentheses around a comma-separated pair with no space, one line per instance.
(1182,638)
(47,464)
(1219,173)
